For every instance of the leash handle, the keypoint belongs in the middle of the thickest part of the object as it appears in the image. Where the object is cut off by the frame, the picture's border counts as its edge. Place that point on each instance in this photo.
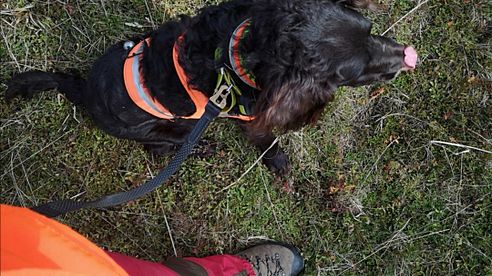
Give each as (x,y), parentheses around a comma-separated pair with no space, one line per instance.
(60,207)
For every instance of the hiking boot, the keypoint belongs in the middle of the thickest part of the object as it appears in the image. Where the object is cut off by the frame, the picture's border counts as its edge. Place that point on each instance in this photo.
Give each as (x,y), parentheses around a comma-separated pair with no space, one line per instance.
(274,259)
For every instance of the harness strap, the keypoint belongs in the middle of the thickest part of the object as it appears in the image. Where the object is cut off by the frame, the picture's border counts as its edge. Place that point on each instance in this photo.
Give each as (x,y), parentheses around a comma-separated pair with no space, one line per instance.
(198,98)
(134,83)
(235,59)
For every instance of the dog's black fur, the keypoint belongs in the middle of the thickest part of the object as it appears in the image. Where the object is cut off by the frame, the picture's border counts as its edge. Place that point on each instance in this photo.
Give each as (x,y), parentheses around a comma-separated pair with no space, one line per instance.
(300,51)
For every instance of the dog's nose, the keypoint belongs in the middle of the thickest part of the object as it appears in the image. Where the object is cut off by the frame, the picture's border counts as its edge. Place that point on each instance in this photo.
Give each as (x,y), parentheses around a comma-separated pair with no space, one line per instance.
(410,57)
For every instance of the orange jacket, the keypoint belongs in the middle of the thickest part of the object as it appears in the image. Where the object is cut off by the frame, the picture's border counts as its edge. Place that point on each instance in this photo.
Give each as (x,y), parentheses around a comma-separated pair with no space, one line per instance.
(32,244)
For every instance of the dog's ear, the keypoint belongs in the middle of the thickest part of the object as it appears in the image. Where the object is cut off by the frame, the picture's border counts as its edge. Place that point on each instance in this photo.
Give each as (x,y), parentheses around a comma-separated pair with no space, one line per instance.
(291,104)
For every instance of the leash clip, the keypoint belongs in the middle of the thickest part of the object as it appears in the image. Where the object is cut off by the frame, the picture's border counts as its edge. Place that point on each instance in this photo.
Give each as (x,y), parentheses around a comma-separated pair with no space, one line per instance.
(219,98)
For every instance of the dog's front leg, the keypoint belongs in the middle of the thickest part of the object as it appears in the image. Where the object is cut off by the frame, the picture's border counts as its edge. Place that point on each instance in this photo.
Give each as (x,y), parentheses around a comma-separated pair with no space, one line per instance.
(274,158)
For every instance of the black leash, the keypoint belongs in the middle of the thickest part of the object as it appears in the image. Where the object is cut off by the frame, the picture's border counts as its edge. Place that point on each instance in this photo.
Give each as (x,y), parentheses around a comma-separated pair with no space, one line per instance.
(213,108)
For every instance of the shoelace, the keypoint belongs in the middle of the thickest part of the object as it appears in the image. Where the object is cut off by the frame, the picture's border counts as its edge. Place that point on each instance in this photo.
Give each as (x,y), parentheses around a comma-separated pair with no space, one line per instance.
(271,264)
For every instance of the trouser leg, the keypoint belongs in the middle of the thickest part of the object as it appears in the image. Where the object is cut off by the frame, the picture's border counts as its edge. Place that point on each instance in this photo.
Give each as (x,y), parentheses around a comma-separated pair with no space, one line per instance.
(227,265)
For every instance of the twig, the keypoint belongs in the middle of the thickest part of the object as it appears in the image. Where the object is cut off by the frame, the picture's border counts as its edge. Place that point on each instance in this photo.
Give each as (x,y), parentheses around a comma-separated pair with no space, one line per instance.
(104,8)
(273,210)
(14,181)
(9,50)
(383,246)
(251,167)
(377,161)
(390,243)
(150,14)
(39,151)
(165,217)
(167,226)
(400,114)
(403,17)
(459,145)
(16,10)
(125,234)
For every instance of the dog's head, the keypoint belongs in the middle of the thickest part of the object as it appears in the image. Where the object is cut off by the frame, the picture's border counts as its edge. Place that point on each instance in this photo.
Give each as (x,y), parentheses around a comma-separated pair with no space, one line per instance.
(301,51)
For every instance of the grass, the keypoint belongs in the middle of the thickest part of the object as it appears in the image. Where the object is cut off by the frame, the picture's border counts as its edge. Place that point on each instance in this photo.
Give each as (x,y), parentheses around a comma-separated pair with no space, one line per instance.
(370,192)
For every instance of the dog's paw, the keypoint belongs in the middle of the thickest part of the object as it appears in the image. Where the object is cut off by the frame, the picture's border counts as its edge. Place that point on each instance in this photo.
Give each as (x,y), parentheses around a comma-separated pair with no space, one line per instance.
(278,163)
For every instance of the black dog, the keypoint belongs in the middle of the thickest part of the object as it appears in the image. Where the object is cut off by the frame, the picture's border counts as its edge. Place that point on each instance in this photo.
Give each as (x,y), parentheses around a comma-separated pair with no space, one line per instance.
(292,54)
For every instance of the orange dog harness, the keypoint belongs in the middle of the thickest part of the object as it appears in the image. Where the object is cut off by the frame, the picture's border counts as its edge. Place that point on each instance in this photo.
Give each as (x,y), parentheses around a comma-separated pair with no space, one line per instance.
(141,96)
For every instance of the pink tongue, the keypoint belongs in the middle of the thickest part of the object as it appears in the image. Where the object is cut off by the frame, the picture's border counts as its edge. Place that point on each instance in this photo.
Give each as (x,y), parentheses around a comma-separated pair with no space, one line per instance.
(410,57)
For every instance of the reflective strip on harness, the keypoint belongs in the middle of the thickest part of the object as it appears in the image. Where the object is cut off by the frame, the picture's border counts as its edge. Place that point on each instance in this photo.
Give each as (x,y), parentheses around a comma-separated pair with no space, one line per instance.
(136,88)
